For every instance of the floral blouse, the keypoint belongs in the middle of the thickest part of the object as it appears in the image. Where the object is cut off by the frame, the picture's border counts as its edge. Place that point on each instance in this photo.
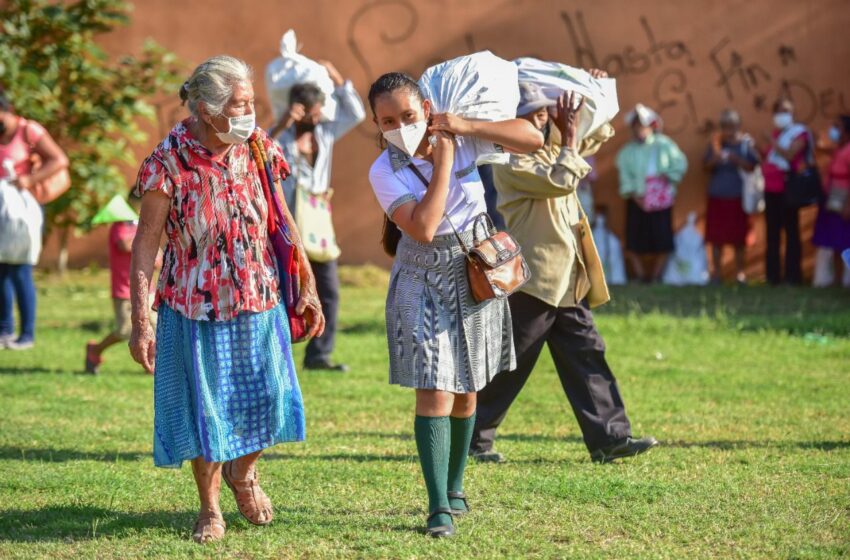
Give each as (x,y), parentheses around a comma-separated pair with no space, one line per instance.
(217,261)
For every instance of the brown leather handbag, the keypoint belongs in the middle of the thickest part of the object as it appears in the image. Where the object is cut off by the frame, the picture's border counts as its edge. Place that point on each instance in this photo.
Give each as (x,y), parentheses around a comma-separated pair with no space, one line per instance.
(495,266)
(52,187)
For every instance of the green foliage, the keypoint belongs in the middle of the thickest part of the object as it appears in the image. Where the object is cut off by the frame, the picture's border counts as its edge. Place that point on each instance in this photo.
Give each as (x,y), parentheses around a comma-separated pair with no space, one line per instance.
(751,413)
(56,74)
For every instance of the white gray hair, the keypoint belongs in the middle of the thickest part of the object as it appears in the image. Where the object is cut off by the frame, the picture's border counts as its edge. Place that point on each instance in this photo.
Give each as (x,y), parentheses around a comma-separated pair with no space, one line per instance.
(212,83)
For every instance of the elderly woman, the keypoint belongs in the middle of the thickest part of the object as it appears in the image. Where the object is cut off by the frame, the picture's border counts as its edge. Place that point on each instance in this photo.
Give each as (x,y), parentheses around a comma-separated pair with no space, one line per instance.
(225,386)
(726,223)
(651,165)
(20,139)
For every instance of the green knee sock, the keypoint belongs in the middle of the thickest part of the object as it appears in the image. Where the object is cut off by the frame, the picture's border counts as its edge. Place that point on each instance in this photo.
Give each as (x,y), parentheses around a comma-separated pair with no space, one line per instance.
(432,441)
(461,437)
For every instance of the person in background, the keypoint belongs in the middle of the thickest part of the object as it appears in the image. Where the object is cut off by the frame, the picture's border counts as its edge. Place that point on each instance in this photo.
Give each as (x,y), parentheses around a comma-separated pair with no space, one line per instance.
(20,139)
(786,149)
(650,166)
(225,386)
(121,235)
(442,343)
(308,144)
(832,228)
(538,198)
(726,223)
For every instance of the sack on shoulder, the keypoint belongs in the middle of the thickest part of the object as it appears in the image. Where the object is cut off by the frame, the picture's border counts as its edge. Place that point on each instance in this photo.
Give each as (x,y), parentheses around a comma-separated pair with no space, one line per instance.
(314,220)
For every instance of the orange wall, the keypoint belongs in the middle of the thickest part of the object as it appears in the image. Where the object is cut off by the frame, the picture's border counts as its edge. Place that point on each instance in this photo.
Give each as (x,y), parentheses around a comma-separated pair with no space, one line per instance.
(688,60)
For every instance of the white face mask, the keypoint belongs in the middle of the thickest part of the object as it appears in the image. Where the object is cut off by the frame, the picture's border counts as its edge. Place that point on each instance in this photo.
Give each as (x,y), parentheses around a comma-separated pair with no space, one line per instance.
(835,134)
(408,137)
(783,120)
(240,129)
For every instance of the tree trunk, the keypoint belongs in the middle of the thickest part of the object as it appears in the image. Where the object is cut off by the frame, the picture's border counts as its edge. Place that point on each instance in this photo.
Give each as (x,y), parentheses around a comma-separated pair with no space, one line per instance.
(62,260)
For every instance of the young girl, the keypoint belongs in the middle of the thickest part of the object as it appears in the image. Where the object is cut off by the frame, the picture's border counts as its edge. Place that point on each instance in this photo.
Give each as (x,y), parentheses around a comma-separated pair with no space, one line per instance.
(441,343)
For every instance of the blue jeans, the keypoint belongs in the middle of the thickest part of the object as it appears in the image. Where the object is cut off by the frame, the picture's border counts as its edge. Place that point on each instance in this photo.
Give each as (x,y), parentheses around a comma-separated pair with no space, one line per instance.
(16,282)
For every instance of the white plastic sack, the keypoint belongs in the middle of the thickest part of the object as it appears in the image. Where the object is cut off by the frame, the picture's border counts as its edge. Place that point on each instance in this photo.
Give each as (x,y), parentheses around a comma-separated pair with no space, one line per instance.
(688,265)
(20,226)
(478,86)
(824,270)
(752,197)
(600,94)
(610,253)
(292,68)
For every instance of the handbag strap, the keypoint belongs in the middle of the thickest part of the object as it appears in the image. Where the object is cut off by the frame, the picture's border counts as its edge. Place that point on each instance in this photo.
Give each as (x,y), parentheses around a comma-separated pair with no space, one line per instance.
(425,182)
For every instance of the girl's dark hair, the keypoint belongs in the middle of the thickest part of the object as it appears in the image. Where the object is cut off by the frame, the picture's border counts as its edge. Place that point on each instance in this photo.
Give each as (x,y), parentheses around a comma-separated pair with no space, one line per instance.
(391,82)
(388,83)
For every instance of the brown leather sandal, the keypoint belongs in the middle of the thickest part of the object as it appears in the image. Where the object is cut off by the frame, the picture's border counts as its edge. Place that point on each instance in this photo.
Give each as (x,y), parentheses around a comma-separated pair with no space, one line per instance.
(252,502)
(209,527)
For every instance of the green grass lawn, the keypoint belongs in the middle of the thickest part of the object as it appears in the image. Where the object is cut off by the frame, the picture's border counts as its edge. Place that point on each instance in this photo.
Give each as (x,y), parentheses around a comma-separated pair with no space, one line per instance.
(747,389)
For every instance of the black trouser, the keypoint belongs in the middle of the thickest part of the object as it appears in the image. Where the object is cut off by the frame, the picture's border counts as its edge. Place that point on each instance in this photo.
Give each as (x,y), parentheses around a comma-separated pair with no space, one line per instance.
(579,354)
(319,349)
(780,217)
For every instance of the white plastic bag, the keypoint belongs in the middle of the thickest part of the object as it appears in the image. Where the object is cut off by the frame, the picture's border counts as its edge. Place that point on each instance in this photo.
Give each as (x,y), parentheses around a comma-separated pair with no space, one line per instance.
(752,196)
(21,220)
(688,265)
(600,94)
(825,269)
(292,68)
(478,86)
(610,253)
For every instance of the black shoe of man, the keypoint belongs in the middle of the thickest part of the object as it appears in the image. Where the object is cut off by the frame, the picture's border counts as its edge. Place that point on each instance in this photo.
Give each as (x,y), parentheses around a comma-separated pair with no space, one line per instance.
(621,449)
(488,456)
(326,366)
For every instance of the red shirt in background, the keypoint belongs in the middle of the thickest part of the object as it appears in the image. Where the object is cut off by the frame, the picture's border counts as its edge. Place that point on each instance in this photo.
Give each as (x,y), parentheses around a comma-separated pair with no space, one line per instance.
(119,260)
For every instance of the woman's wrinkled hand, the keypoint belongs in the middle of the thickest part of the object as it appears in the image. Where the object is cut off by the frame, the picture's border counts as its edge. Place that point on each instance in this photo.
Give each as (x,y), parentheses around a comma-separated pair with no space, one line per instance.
(310,308)
(452,124)
(143,346)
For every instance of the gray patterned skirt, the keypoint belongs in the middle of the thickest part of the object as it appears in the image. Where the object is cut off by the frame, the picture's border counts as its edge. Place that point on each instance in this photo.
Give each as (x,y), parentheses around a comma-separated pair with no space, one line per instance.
(438,336)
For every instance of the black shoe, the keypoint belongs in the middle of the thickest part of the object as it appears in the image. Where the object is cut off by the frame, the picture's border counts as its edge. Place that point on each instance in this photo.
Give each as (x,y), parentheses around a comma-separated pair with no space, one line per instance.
(459,496)
(440,531)
(626,447)
(489,456)
(326,366)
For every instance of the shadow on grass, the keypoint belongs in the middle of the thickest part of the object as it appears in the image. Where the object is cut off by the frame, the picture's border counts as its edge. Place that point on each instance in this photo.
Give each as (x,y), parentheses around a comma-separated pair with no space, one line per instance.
(65,455)
(24,370)
(767,444)
(354,457)
(364,327)
(795,310)
(61,523)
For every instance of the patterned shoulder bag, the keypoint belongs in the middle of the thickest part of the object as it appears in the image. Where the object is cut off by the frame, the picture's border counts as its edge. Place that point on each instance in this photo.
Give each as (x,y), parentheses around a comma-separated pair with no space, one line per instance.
(286,253)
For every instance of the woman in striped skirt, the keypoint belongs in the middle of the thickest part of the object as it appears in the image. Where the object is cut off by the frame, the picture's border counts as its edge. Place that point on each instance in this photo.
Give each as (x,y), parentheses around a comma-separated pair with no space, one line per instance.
(441,342)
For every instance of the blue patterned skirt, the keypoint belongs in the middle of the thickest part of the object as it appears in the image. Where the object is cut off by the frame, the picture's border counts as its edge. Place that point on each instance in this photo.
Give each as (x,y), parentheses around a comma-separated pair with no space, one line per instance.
(223,389)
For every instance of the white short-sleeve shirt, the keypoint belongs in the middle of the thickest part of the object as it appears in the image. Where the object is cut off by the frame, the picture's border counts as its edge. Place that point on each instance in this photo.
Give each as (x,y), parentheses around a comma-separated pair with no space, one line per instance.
(395,184)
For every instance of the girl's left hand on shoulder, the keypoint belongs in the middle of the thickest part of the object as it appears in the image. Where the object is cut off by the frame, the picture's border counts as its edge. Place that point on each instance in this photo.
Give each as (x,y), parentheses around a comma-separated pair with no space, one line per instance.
(452,124)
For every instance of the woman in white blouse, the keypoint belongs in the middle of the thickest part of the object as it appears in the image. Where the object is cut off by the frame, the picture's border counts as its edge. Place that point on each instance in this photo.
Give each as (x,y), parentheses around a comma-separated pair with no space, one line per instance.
(441,342)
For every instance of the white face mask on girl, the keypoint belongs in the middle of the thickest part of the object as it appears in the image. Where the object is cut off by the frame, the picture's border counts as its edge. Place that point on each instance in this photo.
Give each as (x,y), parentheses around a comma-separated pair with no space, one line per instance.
(834,134)
(783,120)
(240,129)
(408,137)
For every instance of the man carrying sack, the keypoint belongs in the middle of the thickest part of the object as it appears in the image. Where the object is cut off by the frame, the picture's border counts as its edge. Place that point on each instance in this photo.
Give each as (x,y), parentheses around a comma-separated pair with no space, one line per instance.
(537,197)
(307,140)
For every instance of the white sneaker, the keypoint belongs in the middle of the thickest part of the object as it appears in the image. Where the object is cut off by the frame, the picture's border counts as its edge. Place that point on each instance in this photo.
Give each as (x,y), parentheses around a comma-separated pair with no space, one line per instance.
(5,339)
(15,345)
